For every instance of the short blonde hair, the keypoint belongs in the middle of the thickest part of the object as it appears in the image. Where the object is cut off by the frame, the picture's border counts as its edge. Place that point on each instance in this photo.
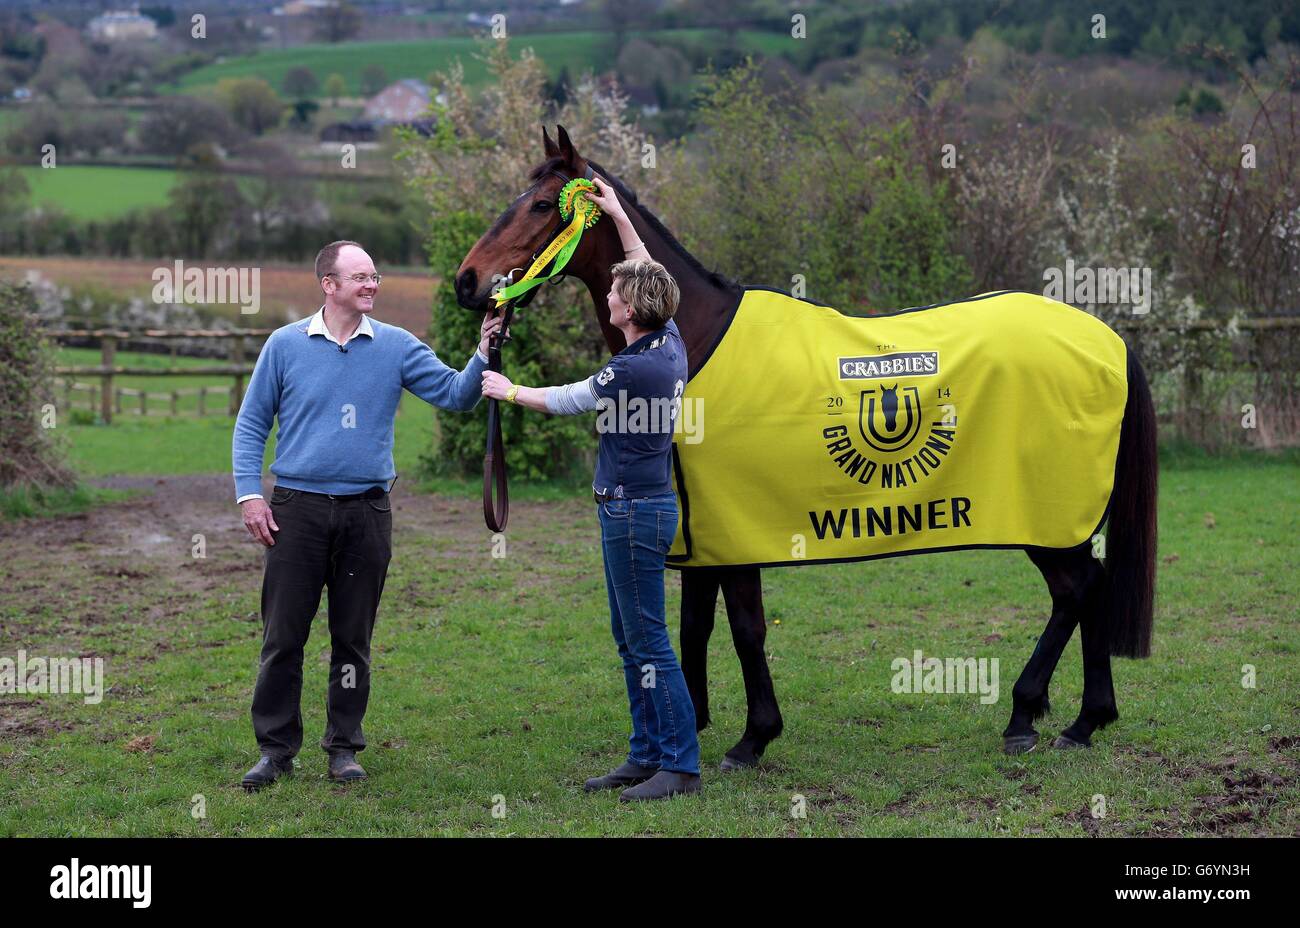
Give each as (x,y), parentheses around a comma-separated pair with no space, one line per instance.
(649,289)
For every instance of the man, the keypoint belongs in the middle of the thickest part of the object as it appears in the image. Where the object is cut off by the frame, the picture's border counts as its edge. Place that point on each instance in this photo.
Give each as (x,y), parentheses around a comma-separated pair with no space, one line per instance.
(334,382)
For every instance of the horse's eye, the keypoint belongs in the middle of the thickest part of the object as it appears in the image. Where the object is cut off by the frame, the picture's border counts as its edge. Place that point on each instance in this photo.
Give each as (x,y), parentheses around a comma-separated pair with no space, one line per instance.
(542,206)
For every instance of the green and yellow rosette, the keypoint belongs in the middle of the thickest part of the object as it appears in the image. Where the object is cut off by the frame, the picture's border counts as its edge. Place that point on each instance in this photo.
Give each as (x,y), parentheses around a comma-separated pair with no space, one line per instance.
(580,213)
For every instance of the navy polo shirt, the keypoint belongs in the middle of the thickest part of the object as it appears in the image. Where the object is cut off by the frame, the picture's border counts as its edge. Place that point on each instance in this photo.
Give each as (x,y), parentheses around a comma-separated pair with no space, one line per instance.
(638,402)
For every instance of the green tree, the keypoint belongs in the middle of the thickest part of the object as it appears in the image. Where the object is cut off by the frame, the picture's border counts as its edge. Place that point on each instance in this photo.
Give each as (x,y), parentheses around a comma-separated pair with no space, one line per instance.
(624,15)
(335,87)
(300,82)
(907,244)
(202,204)
(1206,103)
(1199,102)
(29,458)
(338,22)
(251,102)
(832,189)
(373,79)
(304,112)
(15,194)
(178,122)
(1154,42)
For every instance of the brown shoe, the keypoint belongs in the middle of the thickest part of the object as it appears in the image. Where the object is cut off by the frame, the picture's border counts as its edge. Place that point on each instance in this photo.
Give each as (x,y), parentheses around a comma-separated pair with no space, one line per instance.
(344,766)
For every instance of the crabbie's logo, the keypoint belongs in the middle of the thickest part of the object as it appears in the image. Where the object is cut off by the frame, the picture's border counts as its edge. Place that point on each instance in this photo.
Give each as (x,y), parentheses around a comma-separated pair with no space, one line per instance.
(901,363)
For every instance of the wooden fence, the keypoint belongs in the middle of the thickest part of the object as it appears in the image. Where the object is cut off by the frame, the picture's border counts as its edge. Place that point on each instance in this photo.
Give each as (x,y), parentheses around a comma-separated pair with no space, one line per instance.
(109,398)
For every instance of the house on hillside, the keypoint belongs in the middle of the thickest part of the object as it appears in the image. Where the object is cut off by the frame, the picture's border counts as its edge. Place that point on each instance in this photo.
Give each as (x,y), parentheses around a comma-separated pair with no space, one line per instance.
(403,101)
(120,25)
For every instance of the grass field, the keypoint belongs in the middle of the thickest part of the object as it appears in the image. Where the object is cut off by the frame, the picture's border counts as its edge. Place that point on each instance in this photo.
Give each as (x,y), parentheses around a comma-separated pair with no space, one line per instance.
(579,51)
(496,676)
(92,192)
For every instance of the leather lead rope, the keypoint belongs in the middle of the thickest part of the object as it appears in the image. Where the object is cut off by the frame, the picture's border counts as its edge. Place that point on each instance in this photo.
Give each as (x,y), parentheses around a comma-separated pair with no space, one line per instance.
(496,508)
(496,505)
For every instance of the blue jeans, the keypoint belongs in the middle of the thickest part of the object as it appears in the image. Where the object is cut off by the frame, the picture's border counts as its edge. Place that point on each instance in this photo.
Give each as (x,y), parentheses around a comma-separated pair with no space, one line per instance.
(635,535)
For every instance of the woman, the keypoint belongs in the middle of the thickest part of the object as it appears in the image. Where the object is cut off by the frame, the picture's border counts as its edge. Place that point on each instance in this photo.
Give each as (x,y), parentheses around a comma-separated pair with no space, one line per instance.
(636,507)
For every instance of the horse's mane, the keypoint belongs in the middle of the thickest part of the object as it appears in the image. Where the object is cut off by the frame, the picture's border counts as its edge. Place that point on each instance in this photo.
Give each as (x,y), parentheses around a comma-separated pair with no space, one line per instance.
(718,280)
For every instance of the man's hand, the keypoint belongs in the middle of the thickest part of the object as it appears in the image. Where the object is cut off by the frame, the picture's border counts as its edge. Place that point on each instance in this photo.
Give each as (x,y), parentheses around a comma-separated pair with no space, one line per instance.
(490,325)
(259,521)
(495,386)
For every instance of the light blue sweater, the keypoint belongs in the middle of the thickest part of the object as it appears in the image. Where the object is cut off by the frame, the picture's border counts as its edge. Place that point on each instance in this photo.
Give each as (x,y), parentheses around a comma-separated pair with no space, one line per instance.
(336,407)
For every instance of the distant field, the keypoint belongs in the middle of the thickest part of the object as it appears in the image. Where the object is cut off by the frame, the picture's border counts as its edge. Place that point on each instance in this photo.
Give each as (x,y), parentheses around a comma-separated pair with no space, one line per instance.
(287,291)
(89,192)
(102,192)
(578,51)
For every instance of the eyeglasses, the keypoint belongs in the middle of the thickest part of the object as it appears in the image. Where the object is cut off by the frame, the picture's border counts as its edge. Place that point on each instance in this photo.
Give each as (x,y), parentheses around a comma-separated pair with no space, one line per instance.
(361,278)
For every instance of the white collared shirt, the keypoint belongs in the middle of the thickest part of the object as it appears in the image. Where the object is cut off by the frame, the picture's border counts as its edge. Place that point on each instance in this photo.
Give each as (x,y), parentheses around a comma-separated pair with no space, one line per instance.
(317,327)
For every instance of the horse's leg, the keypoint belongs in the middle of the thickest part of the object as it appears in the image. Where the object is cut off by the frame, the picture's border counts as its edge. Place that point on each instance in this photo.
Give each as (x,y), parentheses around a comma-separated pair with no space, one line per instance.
(742,590)
(699,601)
(1071,575)
(1098,708)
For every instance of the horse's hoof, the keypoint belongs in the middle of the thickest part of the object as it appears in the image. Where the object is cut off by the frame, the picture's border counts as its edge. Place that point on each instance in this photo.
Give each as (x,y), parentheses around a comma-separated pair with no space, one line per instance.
(1019,744)
(730,763)
(1065,742)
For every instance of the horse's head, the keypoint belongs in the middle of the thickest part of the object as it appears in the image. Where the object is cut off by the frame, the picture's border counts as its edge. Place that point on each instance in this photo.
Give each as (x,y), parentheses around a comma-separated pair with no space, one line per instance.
(889,405)
(524,228)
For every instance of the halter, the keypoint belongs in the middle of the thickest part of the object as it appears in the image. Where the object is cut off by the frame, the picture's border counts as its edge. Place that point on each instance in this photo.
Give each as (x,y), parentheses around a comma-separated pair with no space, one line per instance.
(496,510)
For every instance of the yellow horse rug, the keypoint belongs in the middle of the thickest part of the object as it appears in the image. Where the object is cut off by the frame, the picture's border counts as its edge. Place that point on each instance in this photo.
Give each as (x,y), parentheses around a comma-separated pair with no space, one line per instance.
(808,436)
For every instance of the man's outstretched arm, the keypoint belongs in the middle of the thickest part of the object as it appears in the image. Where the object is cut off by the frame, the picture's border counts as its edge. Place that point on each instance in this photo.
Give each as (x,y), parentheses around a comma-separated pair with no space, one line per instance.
(425,375)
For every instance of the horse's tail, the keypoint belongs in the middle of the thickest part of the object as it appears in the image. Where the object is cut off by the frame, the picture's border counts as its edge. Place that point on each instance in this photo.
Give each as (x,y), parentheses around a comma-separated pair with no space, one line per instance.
(1131,532)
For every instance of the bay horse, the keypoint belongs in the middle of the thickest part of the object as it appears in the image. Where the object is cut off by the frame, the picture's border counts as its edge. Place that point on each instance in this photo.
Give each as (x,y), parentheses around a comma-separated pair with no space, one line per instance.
(1111,603)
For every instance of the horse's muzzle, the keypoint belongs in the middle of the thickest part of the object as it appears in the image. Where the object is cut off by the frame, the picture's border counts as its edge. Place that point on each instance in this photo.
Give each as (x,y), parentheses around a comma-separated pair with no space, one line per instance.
(467,294)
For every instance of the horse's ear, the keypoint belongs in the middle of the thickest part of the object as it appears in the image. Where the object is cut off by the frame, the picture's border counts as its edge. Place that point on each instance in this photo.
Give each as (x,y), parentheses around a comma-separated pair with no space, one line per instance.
(552,150)
(566,146)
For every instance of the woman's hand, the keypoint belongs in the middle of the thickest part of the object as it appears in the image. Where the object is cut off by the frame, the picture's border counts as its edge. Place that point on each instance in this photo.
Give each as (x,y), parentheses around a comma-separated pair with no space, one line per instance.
(606,199)
(495,385)
(490,325)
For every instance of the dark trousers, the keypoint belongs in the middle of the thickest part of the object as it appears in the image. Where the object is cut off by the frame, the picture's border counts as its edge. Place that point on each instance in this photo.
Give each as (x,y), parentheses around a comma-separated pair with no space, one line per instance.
(342,545)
